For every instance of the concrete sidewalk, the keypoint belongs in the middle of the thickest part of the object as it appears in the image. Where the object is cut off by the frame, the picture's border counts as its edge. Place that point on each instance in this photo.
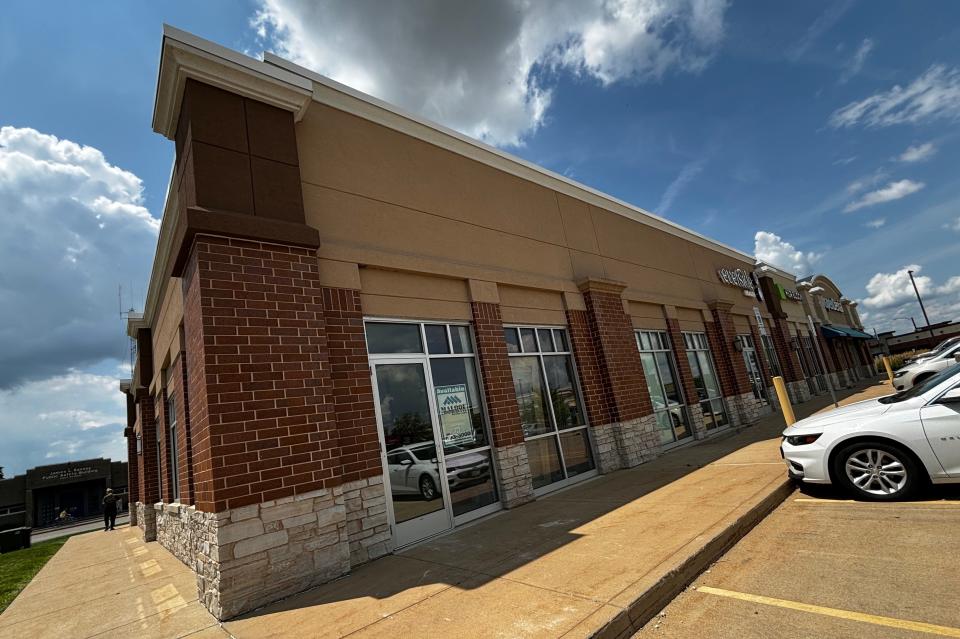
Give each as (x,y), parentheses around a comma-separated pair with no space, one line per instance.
(594,560)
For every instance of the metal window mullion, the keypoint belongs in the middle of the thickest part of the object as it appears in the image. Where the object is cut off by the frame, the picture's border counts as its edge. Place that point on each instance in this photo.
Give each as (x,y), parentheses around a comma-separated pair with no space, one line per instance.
(553,416)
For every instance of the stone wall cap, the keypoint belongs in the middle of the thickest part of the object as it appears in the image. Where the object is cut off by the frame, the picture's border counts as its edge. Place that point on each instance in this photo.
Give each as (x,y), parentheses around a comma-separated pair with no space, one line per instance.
(601,284)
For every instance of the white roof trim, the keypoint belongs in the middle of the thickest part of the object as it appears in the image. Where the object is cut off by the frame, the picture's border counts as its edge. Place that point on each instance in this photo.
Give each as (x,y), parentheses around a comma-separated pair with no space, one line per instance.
(184,55)
(344,98)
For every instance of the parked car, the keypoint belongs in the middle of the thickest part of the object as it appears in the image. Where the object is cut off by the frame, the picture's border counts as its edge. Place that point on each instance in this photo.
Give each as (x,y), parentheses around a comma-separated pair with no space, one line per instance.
(413,470)
(941,347)
(882,449)
(913,374)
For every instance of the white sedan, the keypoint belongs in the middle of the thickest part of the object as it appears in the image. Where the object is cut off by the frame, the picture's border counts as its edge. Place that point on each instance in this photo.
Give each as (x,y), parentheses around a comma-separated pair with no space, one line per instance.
(882,449)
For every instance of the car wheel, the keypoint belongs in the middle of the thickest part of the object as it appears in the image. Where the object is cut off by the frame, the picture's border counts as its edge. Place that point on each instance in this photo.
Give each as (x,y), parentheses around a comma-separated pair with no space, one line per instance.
(428,489)
(876,471)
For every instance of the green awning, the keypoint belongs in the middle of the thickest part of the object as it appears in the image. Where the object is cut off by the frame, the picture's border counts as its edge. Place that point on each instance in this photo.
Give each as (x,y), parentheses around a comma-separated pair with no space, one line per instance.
(844,331)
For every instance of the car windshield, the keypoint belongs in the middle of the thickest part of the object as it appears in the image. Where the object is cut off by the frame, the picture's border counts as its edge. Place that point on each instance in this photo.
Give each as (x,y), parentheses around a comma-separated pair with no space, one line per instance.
(923,386)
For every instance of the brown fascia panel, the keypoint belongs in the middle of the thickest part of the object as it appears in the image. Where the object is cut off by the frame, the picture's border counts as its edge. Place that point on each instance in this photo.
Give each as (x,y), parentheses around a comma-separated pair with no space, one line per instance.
(197,221)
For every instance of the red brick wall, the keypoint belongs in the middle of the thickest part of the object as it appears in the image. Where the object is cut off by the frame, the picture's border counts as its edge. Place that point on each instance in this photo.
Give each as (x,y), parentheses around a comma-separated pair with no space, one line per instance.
(789,359)
(617,355)
(730,366)
(133,466)
(683,364)
(596,394)
(147,461)
(352,389)
(501,399)
(262,423)
(163,436)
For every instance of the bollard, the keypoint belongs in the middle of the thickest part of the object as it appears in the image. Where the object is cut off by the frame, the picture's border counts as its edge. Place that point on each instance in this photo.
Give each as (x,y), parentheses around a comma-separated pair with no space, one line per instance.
(784,400)
(886,364)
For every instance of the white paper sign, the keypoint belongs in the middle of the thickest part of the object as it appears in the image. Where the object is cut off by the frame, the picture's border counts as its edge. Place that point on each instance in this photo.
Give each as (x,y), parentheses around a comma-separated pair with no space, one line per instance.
(454,410)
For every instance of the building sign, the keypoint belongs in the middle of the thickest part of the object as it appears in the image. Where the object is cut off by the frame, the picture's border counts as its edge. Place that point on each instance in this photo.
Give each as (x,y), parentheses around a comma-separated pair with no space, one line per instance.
(788,293)
(65,474)
(832,305)
(455,422)
(736,277)
(760,325)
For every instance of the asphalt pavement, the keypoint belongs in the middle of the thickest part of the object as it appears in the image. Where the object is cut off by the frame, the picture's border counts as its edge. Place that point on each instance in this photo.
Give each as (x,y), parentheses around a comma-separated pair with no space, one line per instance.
(822,565)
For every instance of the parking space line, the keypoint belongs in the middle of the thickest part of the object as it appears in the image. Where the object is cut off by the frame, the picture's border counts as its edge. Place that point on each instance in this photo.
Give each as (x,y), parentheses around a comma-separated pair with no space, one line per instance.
(889,622)
(899,504)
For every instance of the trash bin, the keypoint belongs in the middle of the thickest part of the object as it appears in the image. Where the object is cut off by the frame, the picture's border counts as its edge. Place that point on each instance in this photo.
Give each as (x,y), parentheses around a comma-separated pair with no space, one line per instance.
(14,539)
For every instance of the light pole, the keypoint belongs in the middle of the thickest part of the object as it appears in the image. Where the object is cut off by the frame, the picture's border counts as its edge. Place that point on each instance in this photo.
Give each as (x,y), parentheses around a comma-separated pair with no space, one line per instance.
(922,308)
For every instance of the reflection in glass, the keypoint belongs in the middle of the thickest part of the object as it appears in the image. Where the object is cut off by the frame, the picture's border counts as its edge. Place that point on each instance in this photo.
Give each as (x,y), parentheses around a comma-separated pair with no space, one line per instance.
(709,377)
(460,337)
(546,340)
(391,337)
(513,342)
(576,451)
(664,427)
(408,434)
(560,337)
(657,397)
(529,339)
(665,367)
(436,339)
(471,482)
(544,461)
(531,395)
(560,380)
(458,402)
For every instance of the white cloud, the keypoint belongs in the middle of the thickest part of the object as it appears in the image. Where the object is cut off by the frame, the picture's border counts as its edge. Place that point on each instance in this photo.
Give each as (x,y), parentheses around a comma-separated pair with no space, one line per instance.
(483,68)
(686,175)
(953,226)
(892,191)
(918,152)
(855,64)
(772,249)
(877,223)
(935,95)
(952,285)
(74,228)
(70,416)
(891,289)
(818,27)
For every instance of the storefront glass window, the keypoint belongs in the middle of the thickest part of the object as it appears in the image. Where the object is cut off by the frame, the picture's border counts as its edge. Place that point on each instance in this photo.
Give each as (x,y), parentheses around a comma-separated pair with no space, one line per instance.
(705,380)
(449,372)
(660,373)
(551,412)
(170,409)
(771,352)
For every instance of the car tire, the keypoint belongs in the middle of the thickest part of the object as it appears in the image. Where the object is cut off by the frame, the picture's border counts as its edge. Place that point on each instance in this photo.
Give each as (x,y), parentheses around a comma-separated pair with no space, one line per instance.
(428,488)
(876,471)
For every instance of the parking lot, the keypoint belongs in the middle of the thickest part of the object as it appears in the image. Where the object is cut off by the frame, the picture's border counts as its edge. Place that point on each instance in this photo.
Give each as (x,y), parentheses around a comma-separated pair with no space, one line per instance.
(825,566)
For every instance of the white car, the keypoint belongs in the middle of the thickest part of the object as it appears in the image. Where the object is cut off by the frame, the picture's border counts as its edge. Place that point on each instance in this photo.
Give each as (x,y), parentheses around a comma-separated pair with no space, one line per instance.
(912,374)
(882,449)
(942,346)
(413,470)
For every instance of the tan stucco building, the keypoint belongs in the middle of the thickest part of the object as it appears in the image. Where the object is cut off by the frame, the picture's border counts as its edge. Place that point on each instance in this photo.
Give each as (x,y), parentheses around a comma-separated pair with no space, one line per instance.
(363,329)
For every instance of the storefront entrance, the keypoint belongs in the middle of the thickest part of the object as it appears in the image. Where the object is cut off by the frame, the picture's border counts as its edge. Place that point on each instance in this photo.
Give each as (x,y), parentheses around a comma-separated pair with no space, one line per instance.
(749,351)
(435,451)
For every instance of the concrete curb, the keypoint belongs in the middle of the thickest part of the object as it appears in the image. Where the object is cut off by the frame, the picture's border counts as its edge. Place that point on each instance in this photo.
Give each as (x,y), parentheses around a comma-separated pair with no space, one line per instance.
(671,584)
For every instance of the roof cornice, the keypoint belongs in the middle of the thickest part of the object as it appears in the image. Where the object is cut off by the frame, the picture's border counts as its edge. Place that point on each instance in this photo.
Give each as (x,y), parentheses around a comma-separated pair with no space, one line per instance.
(184,55)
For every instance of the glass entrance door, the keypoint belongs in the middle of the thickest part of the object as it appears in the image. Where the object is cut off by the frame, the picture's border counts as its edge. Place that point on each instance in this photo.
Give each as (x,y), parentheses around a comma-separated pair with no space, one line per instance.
(753,367)
(411,457)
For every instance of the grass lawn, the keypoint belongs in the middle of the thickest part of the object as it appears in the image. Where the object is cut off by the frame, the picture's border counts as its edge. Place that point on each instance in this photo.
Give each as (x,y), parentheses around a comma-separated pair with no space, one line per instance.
(17,568)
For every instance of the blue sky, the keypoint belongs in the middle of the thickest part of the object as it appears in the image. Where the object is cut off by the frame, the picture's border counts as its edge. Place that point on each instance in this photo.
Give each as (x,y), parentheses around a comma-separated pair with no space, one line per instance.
(829,129)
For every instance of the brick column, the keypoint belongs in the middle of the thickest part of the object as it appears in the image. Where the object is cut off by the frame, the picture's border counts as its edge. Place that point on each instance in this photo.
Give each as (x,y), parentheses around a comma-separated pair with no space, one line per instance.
(360,466)
(793,377)
(513,468)
(270,512)
(163,437)
(133,481)
(147,470)
(614,386)
(177,389)
(745,408)
(690,393)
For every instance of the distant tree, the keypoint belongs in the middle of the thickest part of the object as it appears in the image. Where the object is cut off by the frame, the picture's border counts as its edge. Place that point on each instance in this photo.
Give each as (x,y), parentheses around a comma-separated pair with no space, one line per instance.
(1,472)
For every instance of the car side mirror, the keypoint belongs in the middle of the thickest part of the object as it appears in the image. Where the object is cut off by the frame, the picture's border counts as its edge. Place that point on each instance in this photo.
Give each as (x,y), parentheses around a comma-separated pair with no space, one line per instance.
(952,396)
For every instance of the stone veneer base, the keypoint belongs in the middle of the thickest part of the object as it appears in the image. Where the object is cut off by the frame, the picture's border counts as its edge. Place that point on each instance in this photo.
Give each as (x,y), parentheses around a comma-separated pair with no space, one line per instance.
(746,410)
(146,520)
(626,444)
(513,470)
(250,556)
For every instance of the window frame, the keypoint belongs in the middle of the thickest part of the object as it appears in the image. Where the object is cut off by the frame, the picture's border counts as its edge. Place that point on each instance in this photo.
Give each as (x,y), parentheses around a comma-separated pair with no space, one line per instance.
(170,411)
(697,342)
(663,339)
(556,432)
(427,357)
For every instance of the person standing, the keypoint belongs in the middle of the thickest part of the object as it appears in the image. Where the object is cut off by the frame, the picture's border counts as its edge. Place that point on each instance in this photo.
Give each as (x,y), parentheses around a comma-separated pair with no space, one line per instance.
(110,509)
